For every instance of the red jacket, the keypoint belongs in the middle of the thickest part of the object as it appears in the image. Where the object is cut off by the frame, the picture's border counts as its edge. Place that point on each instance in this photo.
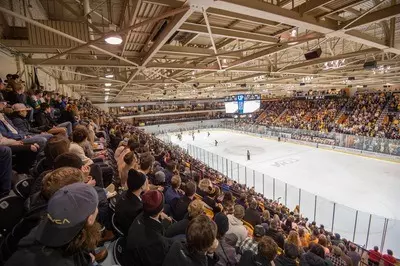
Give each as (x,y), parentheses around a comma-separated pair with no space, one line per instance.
(374,255)
(389,260)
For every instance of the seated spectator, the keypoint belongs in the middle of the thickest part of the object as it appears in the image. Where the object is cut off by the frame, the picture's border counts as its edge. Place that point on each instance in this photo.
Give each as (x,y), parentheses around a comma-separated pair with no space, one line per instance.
(204,187)
(179,207)
(294,239)
(146,244)
(267,250)
(174,190)
(228,203)
(53,243)
(336,257)
(252,215)
(304,237)
(130,162)
(179,228)
(314,257)
(323,241)
(5,170)
(388,259)
(288,258)
(199,248)
(354,255)
(236,226)
(79,135)
(374,256)
(44,120)
(20,111)
(275,234)
(211,199)
(251,243)
(344,255)
(226,253)
(130,205)
(170,170)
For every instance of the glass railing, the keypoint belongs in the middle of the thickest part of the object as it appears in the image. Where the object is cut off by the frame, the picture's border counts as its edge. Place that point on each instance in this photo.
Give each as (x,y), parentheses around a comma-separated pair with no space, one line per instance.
(364,229)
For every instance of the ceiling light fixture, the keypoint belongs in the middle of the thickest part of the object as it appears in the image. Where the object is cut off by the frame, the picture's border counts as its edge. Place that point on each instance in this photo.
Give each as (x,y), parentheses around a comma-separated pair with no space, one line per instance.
(293,33)
(107,89)
(114,39)
(107,84)
(109,76)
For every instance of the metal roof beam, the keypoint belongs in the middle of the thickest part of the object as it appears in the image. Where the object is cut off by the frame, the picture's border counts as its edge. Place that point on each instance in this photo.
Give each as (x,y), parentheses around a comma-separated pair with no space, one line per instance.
(227,33)
(374,17)
(241,17)
(331,58)
(311,5)
(171,28)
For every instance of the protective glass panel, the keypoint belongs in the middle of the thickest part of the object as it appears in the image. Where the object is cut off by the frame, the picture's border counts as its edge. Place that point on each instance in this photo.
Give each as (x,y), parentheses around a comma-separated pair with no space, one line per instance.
(242,174)
(362,228)
(258,185)
(375,232)
(279,191)
(268,186)
(345,218)
(292,197)
(393,236)
(307,205)
(249,174)
(324,213)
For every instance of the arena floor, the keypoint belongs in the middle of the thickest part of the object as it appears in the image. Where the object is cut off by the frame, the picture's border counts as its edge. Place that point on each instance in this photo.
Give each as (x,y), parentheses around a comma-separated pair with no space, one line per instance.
(353,182)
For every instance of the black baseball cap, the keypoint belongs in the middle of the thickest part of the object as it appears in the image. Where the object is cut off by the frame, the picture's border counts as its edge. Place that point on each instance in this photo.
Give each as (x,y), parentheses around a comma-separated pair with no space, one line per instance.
(67,212)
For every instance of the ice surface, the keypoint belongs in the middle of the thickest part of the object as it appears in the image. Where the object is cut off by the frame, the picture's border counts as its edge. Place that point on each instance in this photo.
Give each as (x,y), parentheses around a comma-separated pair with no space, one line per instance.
(353,182)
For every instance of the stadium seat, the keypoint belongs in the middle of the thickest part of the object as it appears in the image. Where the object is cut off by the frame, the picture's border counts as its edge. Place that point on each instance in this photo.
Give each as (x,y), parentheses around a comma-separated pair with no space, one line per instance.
(116,229)
(118,250)
(11,212)
(22,184)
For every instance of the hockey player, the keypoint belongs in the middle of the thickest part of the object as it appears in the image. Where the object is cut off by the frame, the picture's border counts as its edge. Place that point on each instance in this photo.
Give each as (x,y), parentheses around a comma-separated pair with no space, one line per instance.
(216,143)
(248,155)
(208,134)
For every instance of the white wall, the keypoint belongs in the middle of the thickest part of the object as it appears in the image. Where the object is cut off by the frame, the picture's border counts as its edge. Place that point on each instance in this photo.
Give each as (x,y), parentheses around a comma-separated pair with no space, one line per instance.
(187,125)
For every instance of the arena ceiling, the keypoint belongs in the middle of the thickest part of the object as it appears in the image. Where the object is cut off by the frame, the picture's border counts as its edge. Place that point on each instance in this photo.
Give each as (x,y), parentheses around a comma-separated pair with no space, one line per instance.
(176,49)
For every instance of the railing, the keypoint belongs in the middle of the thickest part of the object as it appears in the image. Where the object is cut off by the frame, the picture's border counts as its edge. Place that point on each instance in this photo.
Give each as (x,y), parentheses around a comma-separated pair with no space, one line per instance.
(365,229)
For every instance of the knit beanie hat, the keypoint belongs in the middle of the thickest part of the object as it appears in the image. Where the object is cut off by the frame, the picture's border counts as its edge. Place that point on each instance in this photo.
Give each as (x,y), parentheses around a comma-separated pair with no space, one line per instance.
(153,202)
(135,180)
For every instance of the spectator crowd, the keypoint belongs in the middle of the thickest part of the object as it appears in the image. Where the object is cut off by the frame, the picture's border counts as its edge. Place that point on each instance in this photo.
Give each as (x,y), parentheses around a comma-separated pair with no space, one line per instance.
(93,180)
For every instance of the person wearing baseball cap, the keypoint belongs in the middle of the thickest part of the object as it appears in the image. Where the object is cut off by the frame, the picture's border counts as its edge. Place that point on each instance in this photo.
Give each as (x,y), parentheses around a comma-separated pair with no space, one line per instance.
(66,234)
(18,118)
(146,243)
(251,243)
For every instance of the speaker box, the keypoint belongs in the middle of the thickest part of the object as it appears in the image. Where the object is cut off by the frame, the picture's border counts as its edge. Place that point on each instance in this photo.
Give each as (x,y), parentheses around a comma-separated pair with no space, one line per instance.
(370,65)
(313,54)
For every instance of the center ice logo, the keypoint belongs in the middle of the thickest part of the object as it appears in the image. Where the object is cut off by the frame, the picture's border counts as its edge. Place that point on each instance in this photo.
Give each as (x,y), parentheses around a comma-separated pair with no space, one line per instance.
(284,162)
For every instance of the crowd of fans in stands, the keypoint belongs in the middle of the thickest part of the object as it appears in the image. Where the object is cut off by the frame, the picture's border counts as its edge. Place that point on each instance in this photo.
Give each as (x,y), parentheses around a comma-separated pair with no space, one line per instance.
(168,208)
(357,115)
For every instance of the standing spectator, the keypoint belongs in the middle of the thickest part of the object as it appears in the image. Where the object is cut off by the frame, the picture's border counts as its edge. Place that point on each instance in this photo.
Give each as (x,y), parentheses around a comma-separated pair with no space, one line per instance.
(200,246)
(130,162)
(389,260)
(251,243)
(275,234)
(374,256)
(146,244)
(130,204)
(236,226)
(66,234)
(267,250)
(355,256)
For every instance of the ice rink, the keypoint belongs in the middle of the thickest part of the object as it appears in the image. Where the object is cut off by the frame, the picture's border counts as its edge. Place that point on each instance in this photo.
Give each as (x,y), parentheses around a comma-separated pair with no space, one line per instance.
(369,185)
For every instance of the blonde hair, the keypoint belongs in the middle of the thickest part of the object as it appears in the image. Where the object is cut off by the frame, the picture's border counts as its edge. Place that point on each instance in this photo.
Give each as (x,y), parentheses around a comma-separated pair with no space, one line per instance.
(293,238)
(205,185)
(195,208)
